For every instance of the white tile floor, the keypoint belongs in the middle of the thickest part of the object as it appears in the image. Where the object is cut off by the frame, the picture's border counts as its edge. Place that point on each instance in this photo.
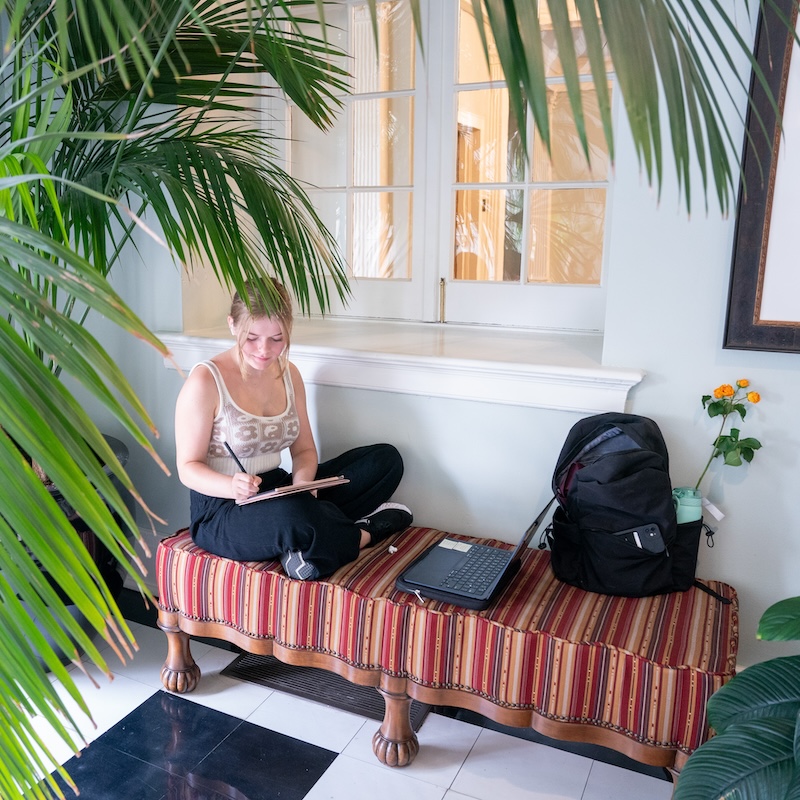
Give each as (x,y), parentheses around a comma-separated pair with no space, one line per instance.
(456,760)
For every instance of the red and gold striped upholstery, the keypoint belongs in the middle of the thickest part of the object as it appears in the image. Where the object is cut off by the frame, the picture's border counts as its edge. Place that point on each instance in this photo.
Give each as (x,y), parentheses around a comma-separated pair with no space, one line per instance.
(643,667)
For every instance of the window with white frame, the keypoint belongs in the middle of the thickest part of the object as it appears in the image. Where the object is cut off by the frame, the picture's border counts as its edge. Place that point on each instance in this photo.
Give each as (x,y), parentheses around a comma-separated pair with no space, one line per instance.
(424,182)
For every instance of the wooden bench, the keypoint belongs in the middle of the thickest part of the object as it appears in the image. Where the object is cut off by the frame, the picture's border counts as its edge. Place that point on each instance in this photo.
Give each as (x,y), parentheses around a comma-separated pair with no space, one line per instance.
(630,674)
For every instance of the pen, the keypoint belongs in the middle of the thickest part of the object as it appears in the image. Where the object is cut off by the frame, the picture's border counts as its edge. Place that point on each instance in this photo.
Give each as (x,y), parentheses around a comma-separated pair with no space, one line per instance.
(233,455)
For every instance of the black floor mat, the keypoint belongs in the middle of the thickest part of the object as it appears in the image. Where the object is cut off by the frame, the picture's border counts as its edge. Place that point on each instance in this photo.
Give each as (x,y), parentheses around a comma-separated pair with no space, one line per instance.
(318,685)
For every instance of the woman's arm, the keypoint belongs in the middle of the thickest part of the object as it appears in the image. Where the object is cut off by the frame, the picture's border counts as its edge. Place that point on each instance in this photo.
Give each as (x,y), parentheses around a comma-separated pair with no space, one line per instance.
(195,410)
(303,450)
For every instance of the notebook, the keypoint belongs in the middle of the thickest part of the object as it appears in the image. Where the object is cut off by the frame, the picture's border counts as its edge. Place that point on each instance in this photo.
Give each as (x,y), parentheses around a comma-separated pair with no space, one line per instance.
(465,574)
(294,488)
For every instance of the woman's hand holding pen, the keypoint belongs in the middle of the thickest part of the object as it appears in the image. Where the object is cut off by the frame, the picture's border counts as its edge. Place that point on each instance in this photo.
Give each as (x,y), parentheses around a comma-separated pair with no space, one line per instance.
(244,485)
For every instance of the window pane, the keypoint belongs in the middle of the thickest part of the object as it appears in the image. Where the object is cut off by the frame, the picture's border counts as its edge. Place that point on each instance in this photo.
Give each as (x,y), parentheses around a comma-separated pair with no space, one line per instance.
(318,157)
(568,162)
(472,67)
(382,141)
(566,236)
(393,68)
(488,139)
(382,235)
(332,210)
(488,235)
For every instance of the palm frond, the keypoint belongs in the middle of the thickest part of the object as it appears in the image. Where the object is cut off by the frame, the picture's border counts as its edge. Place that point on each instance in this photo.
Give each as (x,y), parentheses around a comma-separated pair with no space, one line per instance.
(112,112)
(684,54)
(112,30)
(218,195)
(215,191)
(39,416)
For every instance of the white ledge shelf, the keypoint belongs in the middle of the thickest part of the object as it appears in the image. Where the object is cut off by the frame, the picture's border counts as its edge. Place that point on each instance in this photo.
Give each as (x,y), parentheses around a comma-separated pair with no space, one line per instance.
(492,365)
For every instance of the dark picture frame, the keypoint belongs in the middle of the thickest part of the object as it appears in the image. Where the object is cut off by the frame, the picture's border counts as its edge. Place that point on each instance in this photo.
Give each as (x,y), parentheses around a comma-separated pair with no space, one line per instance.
(744,330)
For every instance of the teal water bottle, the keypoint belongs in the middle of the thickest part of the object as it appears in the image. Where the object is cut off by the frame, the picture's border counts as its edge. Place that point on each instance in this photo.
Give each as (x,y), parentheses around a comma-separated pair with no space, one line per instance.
(688,504)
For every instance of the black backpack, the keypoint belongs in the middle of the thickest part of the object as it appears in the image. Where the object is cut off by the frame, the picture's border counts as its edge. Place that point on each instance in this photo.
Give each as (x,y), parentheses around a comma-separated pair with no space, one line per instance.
(614,530)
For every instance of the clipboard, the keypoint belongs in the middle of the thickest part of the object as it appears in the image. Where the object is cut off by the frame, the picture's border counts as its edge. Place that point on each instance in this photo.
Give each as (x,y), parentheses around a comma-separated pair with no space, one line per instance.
(283,491)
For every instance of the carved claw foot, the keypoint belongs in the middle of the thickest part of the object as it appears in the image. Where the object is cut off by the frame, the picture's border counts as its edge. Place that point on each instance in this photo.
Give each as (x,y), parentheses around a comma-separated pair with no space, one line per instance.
(394,754)
(180,681)
(179,674)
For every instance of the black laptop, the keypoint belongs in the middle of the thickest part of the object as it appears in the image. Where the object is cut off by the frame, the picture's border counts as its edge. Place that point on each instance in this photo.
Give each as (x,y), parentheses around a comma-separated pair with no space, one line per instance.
(465,574)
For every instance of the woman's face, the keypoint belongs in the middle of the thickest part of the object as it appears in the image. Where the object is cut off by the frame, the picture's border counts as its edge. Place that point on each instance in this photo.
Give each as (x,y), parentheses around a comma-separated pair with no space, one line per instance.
(264,343)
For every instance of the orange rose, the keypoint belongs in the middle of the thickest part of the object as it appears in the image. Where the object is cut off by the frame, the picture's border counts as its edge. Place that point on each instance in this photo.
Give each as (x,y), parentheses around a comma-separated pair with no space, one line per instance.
(726,390)
(753,397)
(743,383)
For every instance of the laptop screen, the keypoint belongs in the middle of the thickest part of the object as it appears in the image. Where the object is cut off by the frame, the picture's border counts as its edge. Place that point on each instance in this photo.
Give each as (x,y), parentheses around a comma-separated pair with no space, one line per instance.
(529,534)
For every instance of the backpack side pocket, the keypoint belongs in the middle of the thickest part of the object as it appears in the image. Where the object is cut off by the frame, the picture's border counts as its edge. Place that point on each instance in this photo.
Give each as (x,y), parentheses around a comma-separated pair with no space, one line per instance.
(564,539)
(684,554)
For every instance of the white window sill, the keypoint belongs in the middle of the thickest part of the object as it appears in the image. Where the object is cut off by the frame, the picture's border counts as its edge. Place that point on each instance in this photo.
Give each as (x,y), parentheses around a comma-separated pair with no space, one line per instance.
(494,365)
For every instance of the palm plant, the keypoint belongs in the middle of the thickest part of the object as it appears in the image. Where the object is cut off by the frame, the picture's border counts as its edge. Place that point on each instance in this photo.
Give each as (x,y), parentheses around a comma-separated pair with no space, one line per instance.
(94,134)
(113,111)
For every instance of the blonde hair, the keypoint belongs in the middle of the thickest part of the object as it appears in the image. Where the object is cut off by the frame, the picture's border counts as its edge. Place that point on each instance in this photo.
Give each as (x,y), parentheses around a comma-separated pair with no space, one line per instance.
(269,300)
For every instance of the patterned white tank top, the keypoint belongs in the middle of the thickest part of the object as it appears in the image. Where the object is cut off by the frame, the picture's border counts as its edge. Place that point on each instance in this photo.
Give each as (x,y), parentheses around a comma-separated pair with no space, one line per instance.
(257,441)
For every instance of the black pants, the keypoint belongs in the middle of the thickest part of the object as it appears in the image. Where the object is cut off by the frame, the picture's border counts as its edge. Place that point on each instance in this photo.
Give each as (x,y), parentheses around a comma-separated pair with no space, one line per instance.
(322,528)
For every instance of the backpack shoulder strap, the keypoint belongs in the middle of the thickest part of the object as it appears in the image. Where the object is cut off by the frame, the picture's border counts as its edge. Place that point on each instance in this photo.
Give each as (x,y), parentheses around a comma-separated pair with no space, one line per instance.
(710,591)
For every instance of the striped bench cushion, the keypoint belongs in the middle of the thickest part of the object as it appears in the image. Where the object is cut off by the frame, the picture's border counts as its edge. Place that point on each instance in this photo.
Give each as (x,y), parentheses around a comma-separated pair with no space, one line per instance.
(642,666)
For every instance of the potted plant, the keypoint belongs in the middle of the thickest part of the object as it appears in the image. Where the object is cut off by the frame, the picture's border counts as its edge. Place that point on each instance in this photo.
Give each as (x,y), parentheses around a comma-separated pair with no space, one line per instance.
(756,719)
(101,122)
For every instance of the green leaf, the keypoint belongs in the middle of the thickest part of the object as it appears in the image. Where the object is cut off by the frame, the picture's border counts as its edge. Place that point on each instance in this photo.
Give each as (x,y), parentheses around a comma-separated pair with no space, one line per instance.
(102,121)
(766,689)
(793,790)
(106,25)
(752,760)
(781,621)
(752,444)
(669,64)
(727,444)
(502,19)
(595,44)
(733,458)
(533,79)
(562,28)
(629,45)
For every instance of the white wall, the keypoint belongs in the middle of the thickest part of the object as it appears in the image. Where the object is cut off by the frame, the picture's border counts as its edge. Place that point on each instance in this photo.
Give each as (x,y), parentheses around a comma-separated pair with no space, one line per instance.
(479,468)
(483,469)
(666,314)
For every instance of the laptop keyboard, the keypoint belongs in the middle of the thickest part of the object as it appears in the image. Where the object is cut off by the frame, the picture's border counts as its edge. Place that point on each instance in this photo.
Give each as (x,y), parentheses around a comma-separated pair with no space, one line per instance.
(478,570)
